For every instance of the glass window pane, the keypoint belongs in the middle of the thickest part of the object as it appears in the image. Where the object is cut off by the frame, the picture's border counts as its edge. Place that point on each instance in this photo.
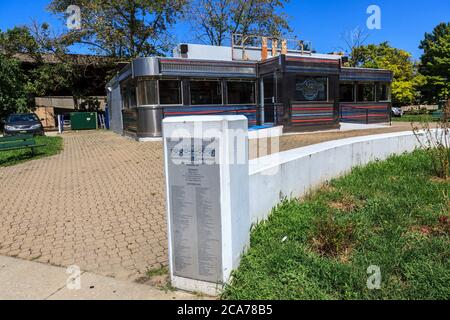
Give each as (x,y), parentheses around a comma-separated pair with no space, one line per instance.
(366,92)
(147,92)
(170,92)
(23,118)
(206,92)
(132,93)
(346,92)
(382,92)
(125,99)
(311,89)
(269,89)
(241,92)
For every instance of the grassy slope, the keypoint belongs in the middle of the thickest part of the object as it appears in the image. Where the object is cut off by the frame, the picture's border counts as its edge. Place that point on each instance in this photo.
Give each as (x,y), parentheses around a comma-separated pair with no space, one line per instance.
(53,145)
(385,214)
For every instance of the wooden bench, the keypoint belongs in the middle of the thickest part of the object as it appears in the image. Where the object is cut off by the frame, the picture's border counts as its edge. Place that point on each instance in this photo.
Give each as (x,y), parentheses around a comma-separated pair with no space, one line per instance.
(18,142)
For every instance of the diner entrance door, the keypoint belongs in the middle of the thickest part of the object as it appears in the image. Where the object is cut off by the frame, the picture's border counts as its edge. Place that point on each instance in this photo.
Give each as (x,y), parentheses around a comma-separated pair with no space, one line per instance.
(268,98)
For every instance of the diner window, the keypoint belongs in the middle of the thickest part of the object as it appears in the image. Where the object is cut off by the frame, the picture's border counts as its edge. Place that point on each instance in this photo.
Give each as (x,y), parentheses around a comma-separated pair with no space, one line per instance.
(311,89)
(129,96)
(206,92)
(383,93)
(170,92)
(366,92)
(347,92)
(241,92)
(125,99)
(147,90)
(132,92)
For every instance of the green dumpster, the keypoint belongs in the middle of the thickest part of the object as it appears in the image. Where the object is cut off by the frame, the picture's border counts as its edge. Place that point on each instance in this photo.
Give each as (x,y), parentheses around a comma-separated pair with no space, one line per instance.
(439,114)
(83,120)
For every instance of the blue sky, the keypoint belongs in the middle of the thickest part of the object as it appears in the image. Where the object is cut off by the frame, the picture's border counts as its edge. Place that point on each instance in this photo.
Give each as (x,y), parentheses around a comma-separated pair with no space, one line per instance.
(404,22)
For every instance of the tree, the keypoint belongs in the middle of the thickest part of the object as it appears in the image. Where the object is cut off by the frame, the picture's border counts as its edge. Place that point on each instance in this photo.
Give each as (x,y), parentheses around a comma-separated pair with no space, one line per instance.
(122,28)
(47,67)
(354,40)
(35,46)
(214,21)
(13,97)
(19,40)
(435,63)
(406,80)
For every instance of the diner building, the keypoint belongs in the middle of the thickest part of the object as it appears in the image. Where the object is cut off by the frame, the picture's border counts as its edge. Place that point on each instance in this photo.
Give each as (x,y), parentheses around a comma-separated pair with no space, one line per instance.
(272,86)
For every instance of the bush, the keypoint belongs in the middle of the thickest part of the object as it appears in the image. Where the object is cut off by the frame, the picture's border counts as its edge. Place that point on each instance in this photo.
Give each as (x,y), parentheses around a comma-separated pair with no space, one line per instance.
(436,142)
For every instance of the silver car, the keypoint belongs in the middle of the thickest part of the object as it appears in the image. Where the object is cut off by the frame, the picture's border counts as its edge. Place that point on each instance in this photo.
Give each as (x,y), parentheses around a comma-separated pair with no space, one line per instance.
(25,123)
(397,112)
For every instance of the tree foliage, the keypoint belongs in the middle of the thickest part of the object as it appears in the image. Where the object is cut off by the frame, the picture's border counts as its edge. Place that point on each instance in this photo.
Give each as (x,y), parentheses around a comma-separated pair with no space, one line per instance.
(13,96)
(435,62)
(47,68)
(213,21)
(36,46)
(122,28)
(19,40)
(406,80)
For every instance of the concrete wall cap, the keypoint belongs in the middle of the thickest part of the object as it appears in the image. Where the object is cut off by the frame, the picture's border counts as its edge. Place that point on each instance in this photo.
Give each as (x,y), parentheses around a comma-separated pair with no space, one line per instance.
(213,118)
(271,161)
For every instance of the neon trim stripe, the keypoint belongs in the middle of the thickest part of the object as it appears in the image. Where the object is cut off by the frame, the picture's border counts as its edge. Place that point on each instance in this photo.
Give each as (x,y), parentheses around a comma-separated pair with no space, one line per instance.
(313,120)
(311,115)
(312,109)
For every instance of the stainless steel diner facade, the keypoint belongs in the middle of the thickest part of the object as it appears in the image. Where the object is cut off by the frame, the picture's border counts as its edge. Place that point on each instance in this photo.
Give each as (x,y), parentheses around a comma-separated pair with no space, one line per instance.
(300,91)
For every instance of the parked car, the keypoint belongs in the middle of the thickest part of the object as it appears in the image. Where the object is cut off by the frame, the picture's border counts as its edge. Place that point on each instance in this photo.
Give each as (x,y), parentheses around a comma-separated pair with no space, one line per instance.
(24,123)
(397,112)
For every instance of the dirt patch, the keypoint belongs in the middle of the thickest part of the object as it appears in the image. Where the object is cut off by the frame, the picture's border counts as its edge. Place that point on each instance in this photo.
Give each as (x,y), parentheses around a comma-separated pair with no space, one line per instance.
(333,240)
(158,277)
(159,281)
(394,178)
(347,203)
(327,188)
(442,228)
(142,280)
(346,255)
(439,180)
(423,230)
(444,225)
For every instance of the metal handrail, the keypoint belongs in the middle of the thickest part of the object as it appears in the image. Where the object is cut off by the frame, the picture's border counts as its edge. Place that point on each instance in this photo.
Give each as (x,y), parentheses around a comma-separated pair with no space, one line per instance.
(239,40)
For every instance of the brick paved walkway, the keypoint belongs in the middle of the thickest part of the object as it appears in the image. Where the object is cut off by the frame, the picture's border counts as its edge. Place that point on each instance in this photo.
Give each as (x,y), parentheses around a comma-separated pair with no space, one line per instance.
(99,204)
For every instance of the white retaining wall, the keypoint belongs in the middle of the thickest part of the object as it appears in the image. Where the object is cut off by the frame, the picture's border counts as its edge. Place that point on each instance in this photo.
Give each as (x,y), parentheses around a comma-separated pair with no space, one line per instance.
(295,172)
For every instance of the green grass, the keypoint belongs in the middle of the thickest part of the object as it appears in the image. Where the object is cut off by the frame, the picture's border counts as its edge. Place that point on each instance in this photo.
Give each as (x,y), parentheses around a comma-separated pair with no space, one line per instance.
(414,118)
(391,214)
(53,145)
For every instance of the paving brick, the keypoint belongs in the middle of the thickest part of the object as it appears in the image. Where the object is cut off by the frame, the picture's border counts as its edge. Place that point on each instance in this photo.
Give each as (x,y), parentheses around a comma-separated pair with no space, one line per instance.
(85,206)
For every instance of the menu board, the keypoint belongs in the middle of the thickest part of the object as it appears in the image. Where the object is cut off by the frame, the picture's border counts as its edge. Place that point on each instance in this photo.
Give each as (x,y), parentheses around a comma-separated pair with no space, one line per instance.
(194,193)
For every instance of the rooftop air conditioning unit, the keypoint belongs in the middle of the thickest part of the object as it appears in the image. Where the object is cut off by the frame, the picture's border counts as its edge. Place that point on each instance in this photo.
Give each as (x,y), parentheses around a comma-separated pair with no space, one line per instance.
(184,50)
